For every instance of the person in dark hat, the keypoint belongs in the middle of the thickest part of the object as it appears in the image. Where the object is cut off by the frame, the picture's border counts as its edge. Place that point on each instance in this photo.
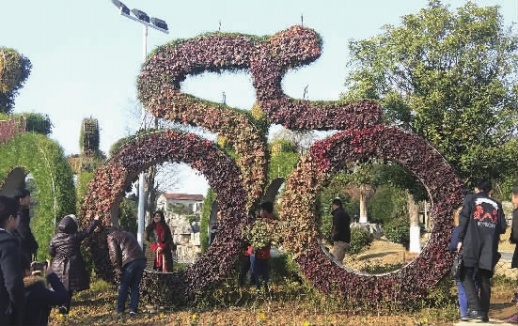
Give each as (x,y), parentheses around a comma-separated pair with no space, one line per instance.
(28,244)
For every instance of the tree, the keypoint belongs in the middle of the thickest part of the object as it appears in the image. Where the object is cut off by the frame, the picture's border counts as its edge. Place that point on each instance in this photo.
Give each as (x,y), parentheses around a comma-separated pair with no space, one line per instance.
(159,178)
(14,70)
(449,77)
(38,122)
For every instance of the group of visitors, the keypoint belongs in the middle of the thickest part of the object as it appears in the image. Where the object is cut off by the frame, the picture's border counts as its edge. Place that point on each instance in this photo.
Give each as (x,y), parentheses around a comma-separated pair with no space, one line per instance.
(29,289)
(23,281)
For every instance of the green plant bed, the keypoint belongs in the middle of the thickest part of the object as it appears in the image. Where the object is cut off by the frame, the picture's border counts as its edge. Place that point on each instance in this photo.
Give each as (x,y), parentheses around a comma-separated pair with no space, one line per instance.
(398,231)
(360,240)
(54,191)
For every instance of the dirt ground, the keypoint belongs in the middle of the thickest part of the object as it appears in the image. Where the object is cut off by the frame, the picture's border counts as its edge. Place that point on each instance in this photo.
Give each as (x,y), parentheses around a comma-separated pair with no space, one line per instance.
(381,252)
(384,252)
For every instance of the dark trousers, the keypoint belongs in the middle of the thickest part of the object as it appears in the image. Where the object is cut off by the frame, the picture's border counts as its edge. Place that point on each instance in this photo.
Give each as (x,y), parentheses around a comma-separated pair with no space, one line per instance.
(476,302)
(245,266)
(260,271)
(130,280)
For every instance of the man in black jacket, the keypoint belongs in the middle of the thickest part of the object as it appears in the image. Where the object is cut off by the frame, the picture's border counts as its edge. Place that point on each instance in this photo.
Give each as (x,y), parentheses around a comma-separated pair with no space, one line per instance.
(12,297)
(341,233)
(129,262)
(481,222)
(29,246)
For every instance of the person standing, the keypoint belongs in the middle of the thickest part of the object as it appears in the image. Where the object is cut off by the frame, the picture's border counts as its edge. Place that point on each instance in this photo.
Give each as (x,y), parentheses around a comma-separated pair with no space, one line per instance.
(129,262)
(67,260)
(481,222)
(259,263)
(514,240)
(341,232)
(12,297)
(29,246)
(159,235)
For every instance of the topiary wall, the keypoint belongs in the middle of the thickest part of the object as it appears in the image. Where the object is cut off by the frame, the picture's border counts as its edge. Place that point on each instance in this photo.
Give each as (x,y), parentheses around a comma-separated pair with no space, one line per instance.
(44,159)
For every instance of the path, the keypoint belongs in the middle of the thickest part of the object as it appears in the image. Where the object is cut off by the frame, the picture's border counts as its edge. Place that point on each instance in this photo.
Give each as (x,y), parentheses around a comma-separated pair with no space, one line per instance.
(384,252)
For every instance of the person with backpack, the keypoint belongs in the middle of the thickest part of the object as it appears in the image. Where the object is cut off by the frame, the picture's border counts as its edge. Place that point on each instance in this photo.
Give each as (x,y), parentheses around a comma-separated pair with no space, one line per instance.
(481,222)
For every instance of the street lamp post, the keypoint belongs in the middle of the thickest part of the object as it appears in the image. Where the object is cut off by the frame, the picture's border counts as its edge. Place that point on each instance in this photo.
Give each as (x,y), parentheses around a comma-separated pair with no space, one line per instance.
(160,25)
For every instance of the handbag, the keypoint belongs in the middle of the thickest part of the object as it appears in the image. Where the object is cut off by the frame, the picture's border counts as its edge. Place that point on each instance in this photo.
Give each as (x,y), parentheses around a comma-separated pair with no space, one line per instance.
(457,266)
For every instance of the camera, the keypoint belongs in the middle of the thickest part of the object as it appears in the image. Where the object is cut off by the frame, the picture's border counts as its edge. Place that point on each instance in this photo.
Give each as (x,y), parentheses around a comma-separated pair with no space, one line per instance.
(39,267)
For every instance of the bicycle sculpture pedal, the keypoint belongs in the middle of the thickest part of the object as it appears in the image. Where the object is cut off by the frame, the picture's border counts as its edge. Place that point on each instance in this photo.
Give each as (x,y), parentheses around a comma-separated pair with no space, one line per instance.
(240,183)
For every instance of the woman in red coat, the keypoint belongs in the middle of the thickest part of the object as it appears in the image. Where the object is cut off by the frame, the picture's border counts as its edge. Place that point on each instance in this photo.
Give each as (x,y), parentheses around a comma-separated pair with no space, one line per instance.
(160,238)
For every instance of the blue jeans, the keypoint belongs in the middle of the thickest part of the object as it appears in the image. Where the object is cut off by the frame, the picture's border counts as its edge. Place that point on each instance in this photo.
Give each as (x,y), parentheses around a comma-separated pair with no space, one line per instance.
(130,280)
(260,271)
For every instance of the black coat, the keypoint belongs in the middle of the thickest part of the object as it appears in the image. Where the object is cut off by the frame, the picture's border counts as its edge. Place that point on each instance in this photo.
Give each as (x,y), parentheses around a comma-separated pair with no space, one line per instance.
(341,226)
(67,260)
(482,221)
(28,243)
(12,299)
(39,299)
(514,238)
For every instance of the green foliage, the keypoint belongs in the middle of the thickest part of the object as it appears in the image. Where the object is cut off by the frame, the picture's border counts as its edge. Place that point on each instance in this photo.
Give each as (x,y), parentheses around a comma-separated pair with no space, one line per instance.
(37,122)
(14,70)
(360,240)
(259,234)
(128,211)
(380,268)
(449,77)
(284,269)
(205,219)
(52,177)
(282,164)
(386,203)
(398,231)
(82,181)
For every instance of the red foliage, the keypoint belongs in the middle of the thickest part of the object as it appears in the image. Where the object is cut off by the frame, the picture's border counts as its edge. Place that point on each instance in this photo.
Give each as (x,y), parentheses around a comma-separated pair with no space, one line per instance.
(10,128)
(269,59)
(107,188)
(327,156)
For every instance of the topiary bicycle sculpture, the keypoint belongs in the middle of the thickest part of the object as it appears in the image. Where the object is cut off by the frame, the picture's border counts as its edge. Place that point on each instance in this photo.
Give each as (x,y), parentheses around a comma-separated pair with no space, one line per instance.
(240,183)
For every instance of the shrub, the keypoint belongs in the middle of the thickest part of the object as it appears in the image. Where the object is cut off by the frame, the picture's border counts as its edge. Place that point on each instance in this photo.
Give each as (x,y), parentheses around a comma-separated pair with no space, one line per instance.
(361,239)
(380,268)
(284,269)
(387,203)
(398,231)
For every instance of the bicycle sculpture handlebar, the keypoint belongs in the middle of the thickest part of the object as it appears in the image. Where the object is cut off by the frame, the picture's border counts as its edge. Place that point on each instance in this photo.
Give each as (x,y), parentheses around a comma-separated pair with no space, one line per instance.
(363,136)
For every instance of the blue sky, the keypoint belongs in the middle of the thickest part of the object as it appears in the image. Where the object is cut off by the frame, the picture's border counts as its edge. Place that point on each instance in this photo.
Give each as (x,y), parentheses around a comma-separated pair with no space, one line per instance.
(86,57)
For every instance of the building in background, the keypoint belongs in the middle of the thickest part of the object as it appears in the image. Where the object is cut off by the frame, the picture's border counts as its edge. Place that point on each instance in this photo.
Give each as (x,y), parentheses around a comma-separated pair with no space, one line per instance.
(183,213)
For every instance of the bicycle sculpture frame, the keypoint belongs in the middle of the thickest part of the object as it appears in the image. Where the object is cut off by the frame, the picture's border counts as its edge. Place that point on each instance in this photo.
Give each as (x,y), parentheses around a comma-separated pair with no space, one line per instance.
(240,183)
